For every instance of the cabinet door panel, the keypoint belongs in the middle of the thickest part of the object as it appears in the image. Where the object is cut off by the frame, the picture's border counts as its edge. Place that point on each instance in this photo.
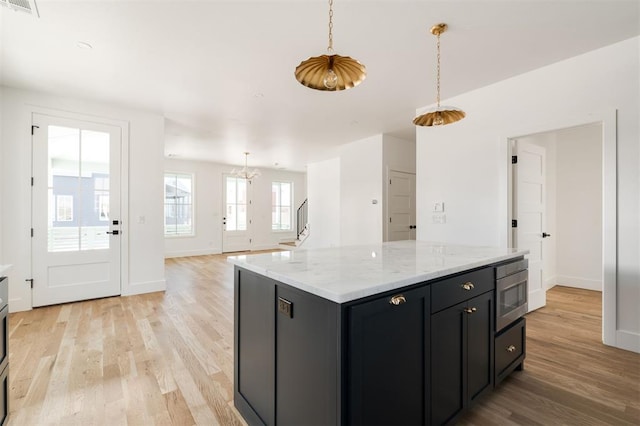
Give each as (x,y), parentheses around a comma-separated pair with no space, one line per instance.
(480,347)
(255,301)
(448,367)
(306,360)
(388,359)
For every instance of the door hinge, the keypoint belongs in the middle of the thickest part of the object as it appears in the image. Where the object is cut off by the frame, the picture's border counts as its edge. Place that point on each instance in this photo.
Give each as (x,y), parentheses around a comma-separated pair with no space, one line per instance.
(389,181)
(514,223)
(30,281)
(33,129)
(250,240)
(514,159)
(32,232)
(31,181)
(389,220)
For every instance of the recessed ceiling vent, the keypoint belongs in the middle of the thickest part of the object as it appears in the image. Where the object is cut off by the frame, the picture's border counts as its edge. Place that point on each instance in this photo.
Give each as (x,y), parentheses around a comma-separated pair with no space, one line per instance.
(28,6)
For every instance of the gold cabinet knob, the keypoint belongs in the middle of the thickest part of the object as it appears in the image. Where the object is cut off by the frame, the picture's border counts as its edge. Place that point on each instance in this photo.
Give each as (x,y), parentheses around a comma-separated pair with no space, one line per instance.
(468,286)
(470,310)
(397,300)
(511,348)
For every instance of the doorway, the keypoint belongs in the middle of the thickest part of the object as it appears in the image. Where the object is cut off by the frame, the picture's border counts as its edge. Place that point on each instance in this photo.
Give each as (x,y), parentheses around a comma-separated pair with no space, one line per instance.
(401,206)
(76,217)
(574,229)
(236,223)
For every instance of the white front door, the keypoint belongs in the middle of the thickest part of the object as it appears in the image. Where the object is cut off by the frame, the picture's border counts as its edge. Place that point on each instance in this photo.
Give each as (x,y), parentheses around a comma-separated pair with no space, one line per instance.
(236,222)
(401,206)
(75,210)
(529,211)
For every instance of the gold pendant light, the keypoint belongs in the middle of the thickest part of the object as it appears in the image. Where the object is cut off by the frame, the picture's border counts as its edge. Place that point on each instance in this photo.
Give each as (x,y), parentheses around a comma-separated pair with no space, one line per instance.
(440,115)
(330,72)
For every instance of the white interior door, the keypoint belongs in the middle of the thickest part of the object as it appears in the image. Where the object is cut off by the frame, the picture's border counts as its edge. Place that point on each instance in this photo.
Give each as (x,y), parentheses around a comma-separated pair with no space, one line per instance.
(236,222)
(75,210)
(401,206)
(529,211)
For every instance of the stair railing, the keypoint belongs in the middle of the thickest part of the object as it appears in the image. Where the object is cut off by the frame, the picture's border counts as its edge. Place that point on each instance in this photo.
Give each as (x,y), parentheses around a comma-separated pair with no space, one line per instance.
(301,223)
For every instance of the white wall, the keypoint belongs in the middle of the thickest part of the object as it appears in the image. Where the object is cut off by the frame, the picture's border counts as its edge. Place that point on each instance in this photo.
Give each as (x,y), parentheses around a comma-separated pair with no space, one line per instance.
(209,208)
(144,268)
(323,190)
(579,204)
(347,195)
(465,164)
(361,177)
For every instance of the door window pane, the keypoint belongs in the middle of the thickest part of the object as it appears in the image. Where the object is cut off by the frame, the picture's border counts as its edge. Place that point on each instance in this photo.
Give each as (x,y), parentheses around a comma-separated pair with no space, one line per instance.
(236,204)
(178,204)
(78,181)
(281,206)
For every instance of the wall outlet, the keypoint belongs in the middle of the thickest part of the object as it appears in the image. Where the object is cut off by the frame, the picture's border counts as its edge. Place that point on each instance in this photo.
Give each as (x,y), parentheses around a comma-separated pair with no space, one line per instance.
(439,218)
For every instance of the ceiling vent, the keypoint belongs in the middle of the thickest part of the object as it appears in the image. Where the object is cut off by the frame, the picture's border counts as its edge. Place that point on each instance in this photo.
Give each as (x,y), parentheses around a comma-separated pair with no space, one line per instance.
(28,6)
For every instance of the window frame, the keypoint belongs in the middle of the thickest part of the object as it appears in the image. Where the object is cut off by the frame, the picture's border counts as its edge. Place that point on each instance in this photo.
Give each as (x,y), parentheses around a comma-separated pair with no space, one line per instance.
(66,197)
(192,204)
(291,201)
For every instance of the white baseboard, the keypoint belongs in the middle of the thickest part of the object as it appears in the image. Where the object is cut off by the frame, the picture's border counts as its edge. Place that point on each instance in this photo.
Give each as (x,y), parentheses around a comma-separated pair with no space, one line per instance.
(551,282)
(187,253)
(628,340)
(578,282)
(19,305)
(144,287)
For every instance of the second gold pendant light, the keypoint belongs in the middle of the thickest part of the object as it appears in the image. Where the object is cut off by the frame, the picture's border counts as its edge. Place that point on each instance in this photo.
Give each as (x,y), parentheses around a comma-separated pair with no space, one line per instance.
(330,72)
(440,115)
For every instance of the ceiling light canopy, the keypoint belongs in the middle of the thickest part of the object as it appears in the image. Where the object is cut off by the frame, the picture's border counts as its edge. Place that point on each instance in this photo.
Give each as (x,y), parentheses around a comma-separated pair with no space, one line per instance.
(330,72)
(440,115)
(244,172)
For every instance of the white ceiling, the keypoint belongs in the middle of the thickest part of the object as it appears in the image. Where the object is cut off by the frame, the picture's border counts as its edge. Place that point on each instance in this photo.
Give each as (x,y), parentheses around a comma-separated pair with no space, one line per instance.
(221,72)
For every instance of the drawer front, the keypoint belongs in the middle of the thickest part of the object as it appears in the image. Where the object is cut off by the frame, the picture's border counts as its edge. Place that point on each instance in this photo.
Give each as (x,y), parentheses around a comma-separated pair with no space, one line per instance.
(455,290)
(4,292)
(510,345)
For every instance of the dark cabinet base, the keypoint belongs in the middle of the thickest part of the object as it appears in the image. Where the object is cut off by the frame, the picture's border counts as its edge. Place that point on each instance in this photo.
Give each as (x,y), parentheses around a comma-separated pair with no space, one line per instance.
(395,358)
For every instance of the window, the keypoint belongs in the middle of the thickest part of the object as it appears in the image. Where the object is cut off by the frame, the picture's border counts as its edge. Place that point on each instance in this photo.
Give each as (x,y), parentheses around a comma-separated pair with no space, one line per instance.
(178,204)
(281,206)
(64,208)
(236,204)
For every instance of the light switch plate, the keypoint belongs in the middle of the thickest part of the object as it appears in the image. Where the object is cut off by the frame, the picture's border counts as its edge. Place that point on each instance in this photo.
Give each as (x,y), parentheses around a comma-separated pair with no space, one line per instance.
(438,207)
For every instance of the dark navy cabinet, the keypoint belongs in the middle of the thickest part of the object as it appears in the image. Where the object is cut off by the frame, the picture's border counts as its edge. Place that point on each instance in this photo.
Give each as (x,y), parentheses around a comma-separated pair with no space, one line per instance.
(388,360)
(414,356)
(4,350)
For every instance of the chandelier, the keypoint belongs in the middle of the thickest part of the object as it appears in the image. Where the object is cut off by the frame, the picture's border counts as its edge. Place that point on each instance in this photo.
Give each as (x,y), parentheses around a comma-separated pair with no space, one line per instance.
(330,72)
(440,115)
(244,172)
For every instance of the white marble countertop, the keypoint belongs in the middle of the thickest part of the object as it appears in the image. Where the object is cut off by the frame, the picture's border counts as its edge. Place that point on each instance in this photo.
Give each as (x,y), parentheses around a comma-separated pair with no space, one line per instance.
(343,274)
(3,269)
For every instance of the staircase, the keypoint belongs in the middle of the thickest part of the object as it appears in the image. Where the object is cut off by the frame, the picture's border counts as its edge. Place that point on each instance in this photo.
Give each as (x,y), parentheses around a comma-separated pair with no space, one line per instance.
(302,227)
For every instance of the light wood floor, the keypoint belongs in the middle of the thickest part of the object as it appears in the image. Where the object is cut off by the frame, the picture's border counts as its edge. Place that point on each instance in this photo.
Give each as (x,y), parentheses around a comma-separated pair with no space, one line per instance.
(167,358)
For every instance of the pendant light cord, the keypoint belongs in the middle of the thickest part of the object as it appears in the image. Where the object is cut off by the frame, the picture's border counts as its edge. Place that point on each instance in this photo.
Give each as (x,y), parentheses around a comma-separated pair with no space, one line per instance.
(438,73)
(330,47)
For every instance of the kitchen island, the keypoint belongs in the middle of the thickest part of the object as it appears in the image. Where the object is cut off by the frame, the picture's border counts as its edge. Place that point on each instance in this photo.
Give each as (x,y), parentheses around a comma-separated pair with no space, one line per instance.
(394,333)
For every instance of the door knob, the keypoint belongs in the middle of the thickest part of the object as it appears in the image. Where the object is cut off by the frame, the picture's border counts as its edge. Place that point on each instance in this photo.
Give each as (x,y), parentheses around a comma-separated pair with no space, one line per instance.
(545,235)
(116,232)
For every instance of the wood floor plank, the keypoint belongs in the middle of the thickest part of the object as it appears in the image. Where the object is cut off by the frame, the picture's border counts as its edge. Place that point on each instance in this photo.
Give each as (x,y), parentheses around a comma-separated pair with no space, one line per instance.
(167,358)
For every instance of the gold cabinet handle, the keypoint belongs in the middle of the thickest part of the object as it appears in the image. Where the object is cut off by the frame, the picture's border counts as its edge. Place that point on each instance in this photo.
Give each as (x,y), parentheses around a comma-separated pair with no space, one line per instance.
(468,286)
(470,310)
(511,348)
(397,300)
